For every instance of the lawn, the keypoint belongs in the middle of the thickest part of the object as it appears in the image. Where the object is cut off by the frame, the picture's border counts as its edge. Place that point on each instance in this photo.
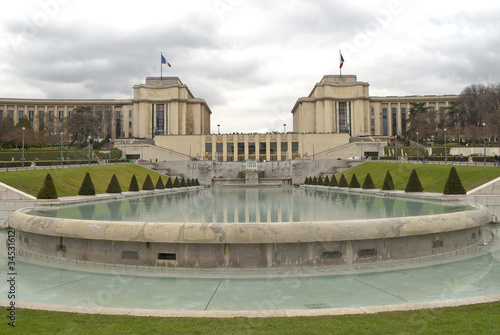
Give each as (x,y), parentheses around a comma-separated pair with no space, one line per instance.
(69,180)
(432,176)
(474,319)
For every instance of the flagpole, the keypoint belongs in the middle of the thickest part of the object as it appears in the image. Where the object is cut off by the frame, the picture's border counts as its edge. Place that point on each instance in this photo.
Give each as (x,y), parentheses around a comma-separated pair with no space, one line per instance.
(161,66)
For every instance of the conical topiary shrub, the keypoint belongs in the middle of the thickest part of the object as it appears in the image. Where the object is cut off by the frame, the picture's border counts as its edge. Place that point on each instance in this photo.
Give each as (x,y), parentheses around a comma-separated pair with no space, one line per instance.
(196,182)
(453,183)
(189,182)
(48,190)
(176,182)
(306,181)
(314,181)
(134,186)
(87,187)
(320,180)
(327,181)
(388,183)
(148,184)
(169,184)
(159,184)
(414,184)
(183,182)
(368,184)
(343,181)
(114,185)
(333,181)
(354,182)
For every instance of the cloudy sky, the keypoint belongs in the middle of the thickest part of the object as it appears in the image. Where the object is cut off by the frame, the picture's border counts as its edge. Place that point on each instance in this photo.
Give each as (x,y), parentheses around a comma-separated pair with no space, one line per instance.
(249,59)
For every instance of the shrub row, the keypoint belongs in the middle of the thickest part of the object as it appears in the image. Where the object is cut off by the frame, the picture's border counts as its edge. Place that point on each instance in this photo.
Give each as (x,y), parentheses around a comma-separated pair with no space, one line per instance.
(453,184)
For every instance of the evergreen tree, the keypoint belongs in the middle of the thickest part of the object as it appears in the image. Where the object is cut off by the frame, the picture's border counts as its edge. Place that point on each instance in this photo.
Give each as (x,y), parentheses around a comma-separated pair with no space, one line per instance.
(176,182)
(183,182)
(306,181)
(343,181)
(414,184)
(114,185)
(159,184)
(48,190)
(196,182)
(326,182)
(134,186)
(333,181)
(320,180)
(188,182)
(169,184)
(453,183)
(368,183)
(354,182)
(388,183)
(148,184)
(87,187)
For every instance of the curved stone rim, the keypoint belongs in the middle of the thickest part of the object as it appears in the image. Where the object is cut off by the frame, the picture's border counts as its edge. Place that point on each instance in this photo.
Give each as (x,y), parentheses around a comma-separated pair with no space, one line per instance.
(251,233)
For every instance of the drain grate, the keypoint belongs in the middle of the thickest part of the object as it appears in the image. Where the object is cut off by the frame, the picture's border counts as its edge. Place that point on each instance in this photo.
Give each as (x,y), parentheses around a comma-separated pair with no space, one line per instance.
(316,306)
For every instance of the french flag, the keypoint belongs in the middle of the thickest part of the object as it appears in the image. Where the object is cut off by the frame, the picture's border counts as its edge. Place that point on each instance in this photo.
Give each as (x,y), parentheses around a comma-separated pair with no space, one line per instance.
(164,61)
(341,60)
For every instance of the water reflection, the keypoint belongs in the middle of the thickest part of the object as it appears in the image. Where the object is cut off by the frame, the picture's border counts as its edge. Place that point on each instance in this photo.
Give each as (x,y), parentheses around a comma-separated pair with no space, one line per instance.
(252,205)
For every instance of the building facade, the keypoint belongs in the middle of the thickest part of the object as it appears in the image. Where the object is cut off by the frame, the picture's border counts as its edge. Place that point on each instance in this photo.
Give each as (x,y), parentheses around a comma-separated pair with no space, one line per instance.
(338,109)
(341,104)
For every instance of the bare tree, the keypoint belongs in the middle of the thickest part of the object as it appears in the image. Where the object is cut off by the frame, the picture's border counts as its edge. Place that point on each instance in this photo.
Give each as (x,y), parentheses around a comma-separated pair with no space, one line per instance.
(82,124)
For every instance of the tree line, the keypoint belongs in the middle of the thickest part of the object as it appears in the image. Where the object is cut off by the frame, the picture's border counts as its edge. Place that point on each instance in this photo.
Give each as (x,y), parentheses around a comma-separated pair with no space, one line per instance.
(463,119)
(79,126)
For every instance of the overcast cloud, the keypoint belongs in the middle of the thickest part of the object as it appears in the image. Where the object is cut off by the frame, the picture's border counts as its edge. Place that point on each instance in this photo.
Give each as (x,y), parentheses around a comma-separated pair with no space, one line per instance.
(250,60)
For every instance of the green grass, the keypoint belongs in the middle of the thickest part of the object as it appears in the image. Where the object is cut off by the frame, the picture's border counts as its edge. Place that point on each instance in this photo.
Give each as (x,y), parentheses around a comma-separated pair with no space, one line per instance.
(432,176)
(474,319)
(69,180)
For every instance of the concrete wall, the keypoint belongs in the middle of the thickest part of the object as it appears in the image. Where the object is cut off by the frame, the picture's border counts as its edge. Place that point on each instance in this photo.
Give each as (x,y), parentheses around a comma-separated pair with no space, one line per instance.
(298,170)
(12,199)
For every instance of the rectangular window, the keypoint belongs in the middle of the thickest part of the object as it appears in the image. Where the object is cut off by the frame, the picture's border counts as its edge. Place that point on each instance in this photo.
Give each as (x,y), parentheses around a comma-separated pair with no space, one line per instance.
(241,148)
(130,254)
(251,148)
(230,151)
(273,150)
(284,148)
(129,113)
(442,116)
(343,125)
(1,115)
(219,148)
(394,122)
(170,256)
(384,122)
(295,147)
(262,148)
(160,119)
(372,112)
(61,115)
(20,113)
(208,148)
(11,114)
(130,124)
(403,120)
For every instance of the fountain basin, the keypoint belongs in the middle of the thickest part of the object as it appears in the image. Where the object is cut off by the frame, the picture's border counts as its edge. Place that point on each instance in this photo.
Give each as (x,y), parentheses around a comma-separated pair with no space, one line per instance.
(216,242)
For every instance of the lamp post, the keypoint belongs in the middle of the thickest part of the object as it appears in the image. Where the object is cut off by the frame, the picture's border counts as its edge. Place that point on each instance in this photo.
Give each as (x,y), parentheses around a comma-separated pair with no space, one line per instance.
(396,146)
(218,129)
(89,148)
(62,148)
(417,147)
(361,149)
(109,147)
(22,158)
(484,139)
(445,152)
(284,128)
